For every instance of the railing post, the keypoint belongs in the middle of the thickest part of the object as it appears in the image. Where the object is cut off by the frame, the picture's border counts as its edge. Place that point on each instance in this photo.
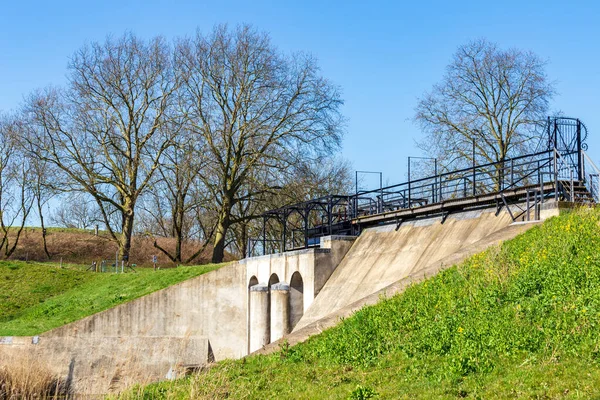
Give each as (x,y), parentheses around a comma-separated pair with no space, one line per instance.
(512,172)
(409,203)
(381,190)
(572,194)
(537,207)
(580,172)
(306,212)
(435,181)
(542,191)
(329,215)
(284,236)
(474,178)
(555,176)
(527,207)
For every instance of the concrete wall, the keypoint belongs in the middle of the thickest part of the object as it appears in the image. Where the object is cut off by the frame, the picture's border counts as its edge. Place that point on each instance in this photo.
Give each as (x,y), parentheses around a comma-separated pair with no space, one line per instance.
(98,365)
(315,265)
(202,319)
(332,319)
(384,255)
(212,305)
(190,323)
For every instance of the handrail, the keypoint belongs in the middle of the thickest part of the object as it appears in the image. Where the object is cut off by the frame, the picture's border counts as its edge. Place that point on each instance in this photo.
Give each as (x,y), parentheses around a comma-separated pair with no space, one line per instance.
(558,170)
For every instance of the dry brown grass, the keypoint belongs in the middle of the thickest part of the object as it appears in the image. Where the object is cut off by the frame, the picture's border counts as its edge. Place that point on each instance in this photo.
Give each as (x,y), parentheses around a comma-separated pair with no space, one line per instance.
(28,378)
(83,248)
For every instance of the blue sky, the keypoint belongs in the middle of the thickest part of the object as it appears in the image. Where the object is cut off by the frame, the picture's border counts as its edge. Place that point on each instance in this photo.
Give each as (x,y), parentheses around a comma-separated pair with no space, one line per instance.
(383,54)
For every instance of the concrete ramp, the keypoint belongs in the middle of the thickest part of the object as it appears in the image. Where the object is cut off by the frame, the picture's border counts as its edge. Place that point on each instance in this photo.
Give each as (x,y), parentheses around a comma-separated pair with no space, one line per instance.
(384,255)
(301,334)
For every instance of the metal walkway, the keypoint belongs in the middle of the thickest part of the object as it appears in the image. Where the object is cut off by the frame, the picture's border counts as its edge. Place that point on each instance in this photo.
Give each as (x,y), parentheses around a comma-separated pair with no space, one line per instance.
(562,171)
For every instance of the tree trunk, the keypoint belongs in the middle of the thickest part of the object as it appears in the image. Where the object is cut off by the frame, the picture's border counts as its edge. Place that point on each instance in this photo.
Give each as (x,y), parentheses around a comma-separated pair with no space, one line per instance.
(39,206)
(125,239)
(499,184)
(243,244)
(220,236)
(178,218)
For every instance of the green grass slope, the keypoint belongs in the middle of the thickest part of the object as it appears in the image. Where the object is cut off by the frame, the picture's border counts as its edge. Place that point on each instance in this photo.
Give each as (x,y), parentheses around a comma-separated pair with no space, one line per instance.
(36,297)
(518,321)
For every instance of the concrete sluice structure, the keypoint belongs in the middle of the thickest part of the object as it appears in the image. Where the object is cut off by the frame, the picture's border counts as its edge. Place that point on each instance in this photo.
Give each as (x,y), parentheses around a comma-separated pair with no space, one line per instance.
(242,307)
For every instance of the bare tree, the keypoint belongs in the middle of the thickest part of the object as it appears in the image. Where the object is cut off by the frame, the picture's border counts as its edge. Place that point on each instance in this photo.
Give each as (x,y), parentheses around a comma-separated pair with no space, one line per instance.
(255,109)
(108,130)
(44,185)
(77,210)
(489,97)
(171,203)
(16,196)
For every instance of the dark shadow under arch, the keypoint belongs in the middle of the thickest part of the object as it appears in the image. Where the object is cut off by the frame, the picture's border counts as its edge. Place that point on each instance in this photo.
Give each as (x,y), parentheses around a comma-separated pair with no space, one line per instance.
(253,281)
(296,298)
(273,279)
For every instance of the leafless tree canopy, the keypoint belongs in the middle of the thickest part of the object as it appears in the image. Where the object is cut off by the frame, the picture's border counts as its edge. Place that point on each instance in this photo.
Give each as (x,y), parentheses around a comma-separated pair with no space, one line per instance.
(105,131)
(76,210)
(190,140)
(256,111)
(16,185)
(494,97)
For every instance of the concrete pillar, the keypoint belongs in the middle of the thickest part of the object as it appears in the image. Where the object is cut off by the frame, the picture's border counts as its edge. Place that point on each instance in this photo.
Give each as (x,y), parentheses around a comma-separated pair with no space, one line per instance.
(259,317)
(280,310)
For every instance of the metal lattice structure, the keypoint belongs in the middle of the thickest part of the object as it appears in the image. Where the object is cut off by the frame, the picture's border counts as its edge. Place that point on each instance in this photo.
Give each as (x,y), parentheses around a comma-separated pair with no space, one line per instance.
(562,171)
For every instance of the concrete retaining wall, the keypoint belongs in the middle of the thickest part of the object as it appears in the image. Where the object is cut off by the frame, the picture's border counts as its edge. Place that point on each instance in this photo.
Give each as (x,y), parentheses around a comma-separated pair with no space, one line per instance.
(99,365)
(384,255)
(190,323)
(210,306)
(315,265)
(202,319)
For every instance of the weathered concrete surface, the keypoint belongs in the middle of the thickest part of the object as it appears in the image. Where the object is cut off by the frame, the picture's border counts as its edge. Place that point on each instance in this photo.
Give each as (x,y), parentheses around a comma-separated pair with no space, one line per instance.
(280,311)
(213,306)
(315,265)
(201,319)
(314,328)
(259,316)
(98,365)
(383,255)
(193,322)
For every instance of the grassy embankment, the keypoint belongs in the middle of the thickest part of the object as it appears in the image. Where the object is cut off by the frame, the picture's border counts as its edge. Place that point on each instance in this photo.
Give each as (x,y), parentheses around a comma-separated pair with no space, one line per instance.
(518,321)
(36,297)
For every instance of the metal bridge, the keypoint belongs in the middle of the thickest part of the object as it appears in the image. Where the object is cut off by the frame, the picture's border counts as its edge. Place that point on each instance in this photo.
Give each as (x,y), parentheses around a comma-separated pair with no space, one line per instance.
(562,171)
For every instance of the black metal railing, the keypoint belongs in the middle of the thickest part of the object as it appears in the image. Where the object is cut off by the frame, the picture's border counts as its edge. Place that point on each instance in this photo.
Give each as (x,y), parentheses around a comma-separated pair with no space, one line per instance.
(562,166)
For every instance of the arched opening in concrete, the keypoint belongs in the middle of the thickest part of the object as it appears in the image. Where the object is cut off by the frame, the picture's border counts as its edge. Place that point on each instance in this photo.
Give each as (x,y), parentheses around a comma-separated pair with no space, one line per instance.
(273,279)
(253,281)
(296,299)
